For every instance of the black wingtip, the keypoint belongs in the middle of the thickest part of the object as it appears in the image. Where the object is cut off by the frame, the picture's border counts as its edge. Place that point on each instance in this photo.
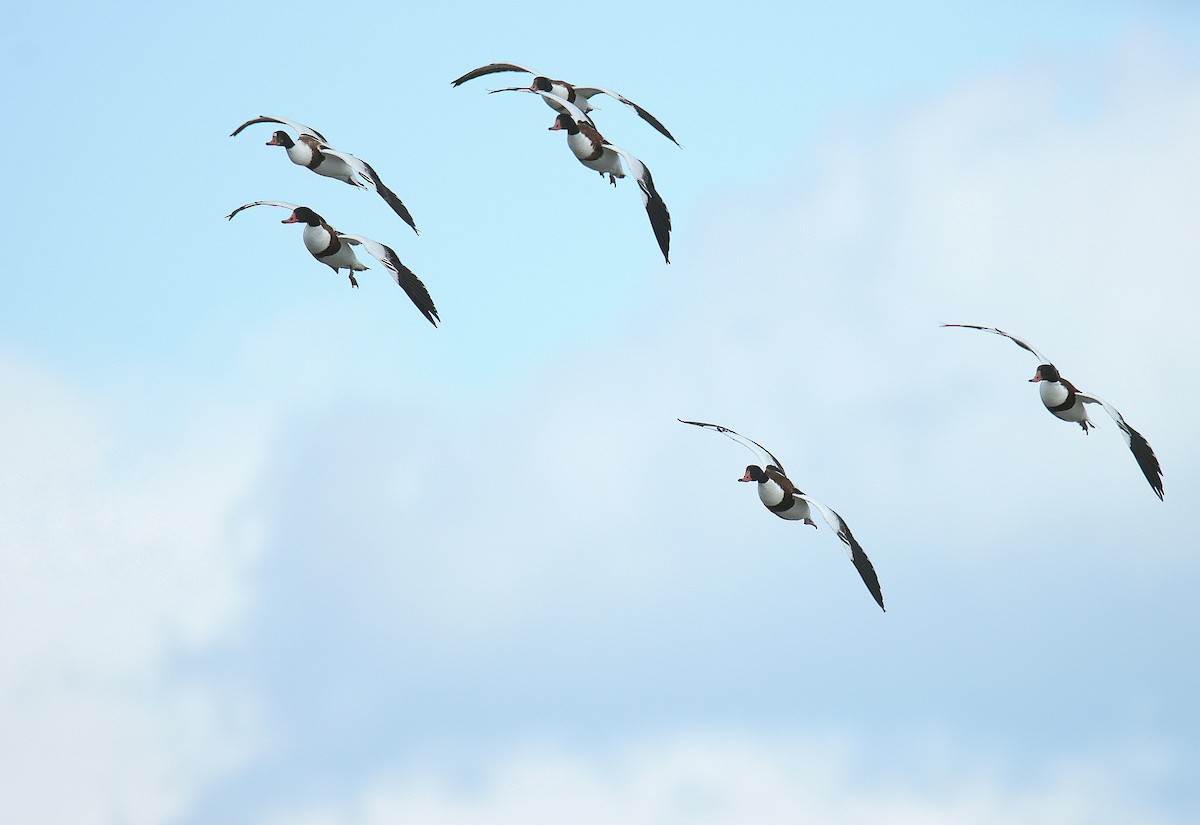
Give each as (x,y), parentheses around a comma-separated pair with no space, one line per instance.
(871,580)
(1147,461)
(862,563)
(660,223)
(391,199)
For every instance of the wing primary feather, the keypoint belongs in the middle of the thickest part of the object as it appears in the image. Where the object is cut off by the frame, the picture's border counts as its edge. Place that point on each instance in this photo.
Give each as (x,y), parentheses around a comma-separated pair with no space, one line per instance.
(857,555)
(491,68)
(368,173)
(299,127)
(656,207)
(1012,338)
(588,91)
(393,201)
(760,452)
(401,274)
(283,204)
(1138,445)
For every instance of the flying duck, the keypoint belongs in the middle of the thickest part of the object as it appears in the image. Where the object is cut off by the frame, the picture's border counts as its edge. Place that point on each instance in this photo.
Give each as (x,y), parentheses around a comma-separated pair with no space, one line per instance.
(1067,402)
(311,150)
(596,153)
(336,250)
(779,495)
(579,95)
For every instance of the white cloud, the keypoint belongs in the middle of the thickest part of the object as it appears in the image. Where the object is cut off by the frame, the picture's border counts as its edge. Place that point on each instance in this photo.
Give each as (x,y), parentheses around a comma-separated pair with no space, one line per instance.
(112,571)
(721,778)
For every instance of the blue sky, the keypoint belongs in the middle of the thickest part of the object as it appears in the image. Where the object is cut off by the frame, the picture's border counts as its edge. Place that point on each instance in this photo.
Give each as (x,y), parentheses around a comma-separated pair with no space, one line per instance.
(276,550)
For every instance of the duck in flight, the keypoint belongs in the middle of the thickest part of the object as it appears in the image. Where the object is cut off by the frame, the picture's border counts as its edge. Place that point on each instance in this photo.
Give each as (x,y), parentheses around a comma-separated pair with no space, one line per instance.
(1064,400)
(779,495)
(336,250)
(581,96)
(310,150)
(596,153)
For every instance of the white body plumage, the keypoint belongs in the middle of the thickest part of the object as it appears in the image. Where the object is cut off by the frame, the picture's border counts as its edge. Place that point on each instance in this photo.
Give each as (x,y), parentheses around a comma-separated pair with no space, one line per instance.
(1054,394)
(609,162)
(318,240)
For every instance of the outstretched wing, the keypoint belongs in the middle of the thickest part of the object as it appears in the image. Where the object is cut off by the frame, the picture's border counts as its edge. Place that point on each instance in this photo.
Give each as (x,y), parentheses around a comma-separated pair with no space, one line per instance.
(1015,340)
(1138,444)
(556,101)
(762,453)
(656,207)
(403,276)
(367,173)
(299,127)
(591,91)
(491,68)
(861,563)
(284,204)
(561,103)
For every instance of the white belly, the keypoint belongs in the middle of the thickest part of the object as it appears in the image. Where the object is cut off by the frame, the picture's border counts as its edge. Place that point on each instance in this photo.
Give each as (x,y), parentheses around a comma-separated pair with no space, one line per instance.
(300,153)
(797,512)
(1053,394)
(332,167)
(344,258)
(317,240)
(771,494)
(609,162)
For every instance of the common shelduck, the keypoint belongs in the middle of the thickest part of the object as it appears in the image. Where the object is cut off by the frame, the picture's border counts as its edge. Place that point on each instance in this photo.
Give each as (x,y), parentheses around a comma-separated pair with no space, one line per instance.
(336,250)
(1064,400)
(579,95)
(779,495)
(596,153)
(311,151)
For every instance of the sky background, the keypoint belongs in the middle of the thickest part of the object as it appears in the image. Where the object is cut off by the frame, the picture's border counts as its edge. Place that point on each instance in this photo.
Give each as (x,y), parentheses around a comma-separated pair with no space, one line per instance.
(273,550)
